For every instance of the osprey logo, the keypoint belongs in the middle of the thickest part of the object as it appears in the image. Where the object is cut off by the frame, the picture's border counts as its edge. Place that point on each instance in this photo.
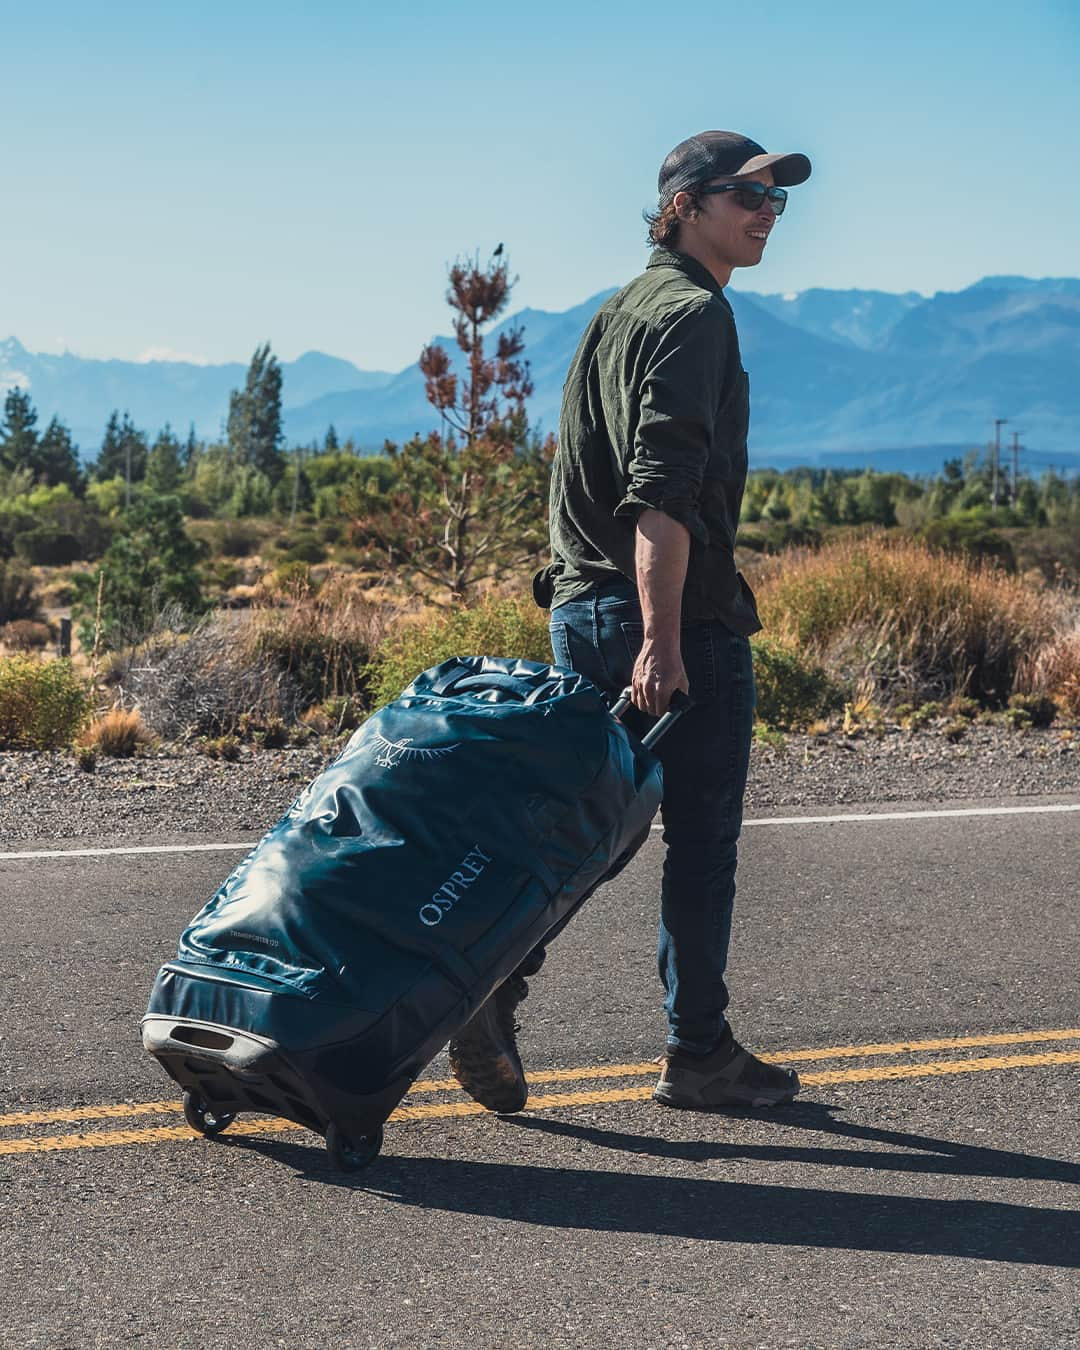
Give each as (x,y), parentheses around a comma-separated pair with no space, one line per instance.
(392,753)
(454,887)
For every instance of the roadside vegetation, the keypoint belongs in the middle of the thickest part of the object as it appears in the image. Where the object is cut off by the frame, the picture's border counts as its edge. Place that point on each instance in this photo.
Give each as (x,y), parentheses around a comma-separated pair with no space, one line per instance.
(241,595)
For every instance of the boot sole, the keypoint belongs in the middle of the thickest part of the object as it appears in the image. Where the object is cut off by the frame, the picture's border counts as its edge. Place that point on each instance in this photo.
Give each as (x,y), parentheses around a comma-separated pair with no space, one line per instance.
(492,1079)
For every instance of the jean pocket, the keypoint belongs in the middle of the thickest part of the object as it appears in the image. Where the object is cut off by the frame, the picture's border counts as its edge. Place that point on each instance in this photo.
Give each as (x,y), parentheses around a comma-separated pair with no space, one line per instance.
(560,646)
(634,637)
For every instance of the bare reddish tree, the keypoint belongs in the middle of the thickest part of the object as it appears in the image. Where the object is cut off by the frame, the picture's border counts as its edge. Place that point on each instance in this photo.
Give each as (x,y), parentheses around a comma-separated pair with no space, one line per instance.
(490,400)
(469,503)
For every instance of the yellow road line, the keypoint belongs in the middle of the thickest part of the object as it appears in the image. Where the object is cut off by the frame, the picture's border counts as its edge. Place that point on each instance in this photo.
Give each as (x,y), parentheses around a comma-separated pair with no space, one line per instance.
(912,1047)
(783,1057)
(75,1114)
(546,1102)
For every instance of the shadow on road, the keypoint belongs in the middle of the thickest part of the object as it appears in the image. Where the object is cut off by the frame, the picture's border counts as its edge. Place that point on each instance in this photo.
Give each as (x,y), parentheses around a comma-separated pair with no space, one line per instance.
(943,1156)
(734,1211)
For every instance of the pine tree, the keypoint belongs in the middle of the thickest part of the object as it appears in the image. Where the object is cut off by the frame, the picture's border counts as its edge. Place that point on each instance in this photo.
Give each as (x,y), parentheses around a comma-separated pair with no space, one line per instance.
(123,452)
(18,437)
(151,566)
(192,450)
(825,502)
(164,467)
(254,425)
(57,458)
(330,442)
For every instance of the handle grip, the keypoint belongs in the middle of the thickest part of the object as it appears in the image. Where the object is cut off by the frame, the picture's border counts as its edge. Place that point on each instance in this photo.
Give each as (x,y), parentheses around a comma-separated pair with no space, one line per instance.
(679,704)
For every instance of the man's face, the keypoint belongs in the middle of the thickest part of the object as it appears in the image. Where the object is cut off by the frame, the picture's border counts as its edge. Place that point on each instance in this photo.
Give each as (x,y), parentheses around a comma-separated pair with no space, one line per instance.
(728,232)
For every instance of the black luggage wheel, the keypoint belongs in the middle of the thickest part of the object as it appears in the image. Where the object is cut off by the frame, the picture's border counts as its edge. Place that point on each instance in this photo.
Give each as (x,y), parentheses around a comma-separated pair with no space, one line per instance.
(352,1156)
(202,1118)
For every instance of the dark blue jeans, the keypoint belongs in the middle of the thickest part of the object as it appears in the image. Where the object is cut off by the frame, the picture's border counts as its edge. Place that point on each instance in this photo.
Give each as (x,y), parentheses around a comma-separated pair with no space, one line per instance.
(705,757)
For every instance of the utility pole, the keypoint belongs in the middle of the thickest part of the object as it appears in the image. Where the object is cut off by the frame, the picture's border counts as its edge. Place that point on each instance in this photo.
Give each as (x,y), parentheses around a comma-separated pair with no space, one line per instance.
(999,422)
(296,482)
(1015,466)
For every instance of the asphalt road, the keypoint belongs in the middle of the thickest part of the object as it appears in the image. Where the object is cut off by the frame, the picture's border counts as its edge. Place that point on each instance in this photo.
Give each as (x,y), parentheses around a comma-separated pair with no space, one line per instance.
(921,973)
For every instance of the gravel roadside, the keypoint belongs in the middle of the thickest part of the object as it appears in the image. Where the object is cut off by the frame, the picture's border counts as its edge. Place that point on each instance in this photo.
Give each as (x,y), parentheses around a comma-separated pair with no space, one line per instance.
(44,796)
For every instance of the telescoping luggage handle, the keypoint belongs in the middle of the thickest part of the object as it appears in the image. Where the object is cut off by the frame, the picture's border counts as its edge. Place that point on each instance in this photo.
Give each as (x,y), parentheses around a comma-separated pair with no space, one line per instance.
(679,704)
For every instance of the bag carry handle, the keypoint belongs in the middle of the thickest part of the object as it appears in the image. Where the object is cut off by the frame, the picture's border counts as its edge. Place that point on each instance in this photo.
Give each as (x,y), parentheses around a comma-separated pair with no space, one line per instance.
(679,704)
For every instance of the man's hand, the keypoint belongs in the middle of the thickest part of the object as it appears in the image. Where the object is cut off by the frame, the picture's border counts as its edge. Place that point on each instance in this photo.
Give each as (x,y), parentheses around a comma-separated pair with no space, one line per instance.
(658,673)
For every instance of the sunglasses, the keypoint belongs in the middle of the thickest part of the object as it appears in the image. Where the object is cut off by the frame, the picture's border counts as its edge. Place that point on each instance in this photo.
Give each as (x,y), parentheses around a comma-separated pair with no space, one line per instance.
(751,195)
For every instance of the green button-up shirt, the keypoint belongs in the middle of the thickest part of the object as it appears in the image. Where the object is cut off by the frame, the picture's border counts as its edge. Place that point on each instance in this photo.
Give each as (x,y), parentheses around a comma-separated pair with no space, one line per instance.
(654,415)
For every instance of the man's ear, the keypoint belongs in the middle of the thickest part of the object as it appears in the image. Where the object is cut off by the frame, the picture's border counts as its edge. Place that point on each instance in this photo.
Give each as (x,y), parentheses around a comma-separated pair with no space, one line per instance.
(684,206)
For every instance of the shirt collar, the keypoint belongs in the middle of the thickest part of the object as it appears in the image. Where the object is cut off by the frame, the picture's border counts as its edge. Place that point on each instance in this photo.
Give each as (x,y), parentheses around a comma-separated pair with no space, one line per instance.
(690,267)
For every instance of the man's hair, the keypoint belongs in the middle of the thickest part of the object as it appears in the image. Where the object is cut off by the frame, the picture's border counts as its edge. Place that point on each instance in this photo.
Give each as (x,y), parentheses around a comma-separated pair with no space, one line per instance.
(664,223)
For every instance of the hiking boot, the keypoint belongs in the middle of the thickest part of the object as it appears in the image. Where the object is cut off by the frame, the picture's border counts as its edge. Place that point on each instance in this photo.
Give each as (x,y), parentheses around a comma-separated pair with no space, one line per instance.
(728,1076)
(484,1055)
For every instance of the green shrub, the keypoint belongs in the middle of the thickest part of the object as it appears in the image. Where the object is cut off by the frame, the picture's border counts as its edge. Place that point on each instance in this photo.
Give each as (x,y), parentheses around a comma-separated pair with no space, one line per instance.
(1039,709)
(51,527)
(222,747)
(18,598)
(792,690)
(305,548)
(291,576)
(776,535)
(972,534)
(495,627)
(43,704)
(266,731)
(342,713)
(148,570)
(224,574)
(47,546)
(235,538)
(274,735)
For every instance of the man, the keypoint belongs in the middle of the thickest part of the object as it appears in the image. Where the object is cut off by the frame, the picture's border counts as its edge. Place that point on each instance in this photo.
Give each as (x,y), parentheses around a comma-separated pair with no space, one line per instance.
(646,490)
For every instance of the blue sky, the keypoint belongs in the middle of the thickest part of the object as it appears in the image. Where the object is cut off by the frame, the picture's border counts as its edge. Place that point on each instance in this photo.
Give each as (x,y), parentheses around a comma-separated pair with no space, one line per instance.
(197,178)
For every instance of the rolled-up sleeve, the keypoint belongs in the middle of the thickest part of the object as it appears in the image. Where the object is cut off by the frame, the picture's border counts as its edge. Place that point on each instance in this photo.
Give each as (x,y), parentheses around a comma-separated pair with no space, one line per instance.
(678,399)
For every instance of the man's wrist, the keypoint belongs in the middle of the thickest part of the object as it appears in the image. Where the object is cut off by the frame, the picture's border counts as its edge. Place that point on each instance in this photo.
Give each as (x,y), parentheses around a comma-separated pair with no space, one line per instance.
(665,636)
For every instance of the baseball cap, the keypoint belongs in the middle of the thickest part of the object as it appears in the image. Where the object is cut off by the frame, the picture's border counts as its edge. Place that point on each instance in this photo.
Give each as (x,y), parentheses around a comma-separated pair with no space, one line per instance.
(715,154)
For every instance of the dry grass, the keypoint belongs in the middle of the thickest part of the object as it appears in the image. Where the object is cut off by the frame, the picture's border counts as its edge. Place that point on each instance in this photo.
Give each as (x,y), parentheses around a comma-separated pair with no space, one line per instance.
(893,615)
(321,637)
(117,734)
(1054,670)
(25,635)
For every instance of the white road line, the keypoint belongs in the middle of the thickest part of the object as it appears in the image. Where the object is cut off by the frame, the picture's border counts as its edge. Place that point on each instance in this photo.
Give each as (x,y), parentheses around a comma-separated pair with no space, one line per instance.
(861,817)
(947,814)
(139,848)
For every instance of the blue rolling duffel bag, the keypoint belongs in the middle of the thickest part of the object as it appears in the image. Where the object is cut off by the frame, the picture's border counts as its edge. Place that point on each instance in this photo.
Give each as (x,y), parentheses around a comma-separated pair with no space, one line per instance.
(458,827)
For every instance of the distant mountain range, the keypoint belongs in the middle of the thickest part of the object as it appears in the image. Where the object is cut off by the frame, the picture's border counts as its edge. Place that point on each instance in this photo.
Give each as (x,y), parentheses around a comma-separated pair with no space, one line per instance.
(837,377)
